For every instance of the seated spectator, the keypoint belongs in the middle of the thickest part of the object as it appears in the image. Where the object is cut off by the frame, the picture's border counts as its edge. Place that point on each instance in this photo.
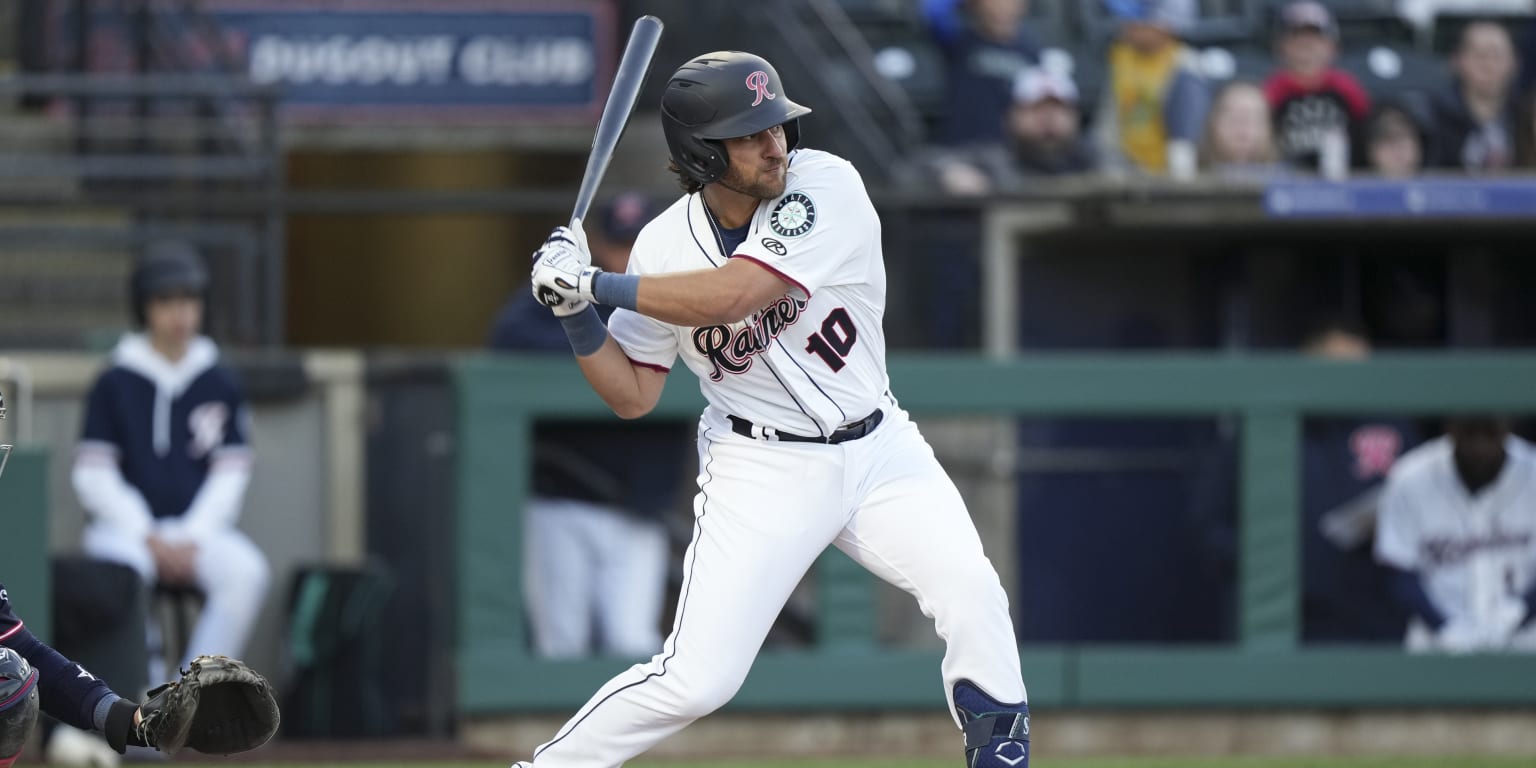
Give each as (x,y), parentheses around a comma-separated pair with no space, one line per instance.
(164,459)
(1316,106)
(1239,142)
(983,54)
(1044,138)
(1395,140)
(1155,104)
(1475,118)
(1458,523)
(596,544)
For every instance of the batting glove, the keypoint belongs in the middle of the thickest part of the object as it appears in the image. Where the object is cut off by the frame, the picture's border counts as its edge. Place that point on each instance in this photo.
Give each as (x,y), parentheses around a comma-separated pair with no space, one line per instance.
(1506,620)
(557,268)
(573,240)
(1462,636)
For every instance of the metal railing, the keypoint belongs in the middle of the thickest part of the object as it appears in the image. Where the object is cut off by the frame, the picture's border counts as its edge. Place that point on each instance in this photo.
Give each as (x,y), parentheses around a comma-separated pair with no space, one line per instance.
(111,161)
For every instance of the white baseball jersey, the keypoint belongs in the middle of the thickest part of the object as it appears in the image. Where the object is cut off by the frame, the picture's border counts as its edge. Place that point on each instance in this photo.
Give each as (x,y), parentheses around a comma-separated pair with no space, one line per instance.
(1474,553)
(811,361)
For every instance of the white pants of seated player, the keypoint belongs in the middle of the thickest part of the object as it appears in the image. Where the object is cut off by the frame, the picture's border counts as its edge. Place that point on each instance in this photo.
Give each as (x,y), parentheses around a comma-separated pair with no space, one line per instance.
(764,513)
(230,570)
(591,569)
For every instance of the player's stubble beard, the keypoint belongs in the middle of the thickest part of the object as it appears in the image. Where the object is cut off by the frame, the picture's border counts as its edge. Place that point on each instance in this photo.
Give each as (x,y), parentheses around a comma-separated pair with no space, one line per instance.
(758,187)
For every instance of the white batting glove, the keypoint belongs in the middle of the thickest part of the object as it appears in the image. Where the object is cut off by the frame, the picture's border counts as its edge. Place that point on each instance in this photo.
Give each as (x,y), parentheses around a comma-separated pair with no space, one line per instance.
(1461,636)
(574,240)
(1506,620)
(557,268)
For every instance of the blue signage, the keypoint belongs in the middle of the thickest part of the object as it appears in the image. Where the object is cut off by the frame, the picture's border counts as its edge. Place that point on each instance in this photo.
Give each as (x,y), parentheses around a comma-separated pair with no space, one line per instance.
(488,59)
(1408,198)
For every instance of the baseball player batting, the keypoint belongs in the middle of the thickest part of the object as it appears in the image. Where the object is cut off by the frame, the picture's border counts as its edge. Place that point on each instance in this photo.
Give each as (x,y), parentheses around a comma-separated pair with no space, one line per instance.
(767,279)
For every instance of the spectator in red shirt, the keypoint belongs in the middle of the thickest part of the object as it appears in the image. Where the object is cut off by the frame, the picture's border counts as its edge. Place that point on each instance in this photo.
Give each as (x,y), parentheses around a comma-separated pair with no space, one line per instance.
(1315,105)
(1474,119)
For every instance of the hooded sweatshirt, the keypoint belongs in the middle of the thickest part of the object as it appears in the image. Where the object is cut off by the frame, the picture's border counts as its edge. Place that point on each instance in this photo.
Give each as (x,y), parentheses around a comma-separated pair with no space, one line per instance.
(164,447)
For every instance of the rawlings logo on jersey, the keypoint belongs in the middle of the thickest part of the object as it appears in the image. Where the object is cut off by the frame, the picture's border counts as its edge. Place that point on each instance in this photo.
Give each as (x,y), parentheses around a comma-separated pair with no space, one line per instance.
(794,215)
(775,247)
(732,352)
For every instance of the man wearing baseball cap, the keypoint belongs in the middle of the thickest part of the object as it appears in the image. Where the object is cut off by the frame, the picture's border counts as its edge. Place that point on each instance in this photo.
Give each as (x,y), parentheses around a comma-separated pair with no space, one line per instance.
(1316,106)
(1042,137)
(1045,125)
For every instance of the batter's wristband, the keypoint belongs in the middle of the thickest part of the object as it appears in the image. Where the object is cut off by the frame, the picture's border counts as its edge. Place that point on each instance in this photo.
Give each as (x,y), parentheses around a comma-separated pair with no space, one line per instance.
(615,290)
(585,331)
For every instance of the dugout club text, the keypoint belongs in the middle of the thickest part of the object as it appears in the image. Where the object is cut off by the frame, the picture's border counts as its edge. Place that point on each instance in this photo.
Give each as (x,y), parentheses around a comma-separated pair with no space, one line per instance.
(389,60)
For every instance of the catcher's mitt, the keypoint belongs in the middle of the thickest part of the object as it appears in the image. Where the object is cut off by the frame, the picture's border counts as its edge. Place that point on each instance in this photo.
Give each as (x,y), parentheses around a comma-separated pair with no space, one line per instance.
(219,706)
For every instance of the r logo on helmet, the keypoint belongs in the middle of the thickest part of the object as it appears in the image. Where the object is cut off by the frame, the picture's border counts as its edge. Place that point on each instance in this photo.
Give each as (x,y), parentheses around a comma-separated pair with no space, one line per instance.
(758,81)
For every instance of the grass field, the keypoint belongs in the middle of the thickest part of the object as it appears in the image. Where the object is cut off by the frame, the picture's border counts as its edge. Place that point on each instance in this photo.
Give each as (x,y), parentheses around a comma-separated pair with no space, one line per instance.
(1127,762)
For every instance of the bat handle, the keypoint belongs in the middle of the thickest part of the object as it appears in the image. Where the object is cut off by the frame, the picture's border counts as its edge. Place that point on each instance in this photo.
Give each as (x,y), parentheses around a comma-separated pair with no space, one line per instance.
(575,223)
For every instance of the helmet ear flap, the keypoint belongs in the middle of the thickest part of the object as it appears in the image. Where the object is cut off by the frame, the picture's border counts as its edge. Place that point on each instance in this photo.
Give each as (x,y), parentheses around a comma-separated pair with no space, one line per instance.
(713,161)
(791,134)
(704,160)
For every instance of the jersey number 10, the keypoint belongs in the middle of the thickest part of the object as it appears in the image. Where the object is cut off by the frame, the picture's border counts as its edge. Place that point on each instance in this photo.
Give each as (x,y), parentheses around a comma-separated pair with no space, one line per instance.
(835,340)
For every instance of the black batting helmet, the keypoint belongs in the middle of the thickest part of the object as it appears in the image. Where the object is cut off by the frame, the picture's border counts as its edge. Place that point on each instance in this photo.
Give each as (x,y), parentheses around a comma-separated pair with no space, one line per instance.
(18,704)
(167,268)
(723,95)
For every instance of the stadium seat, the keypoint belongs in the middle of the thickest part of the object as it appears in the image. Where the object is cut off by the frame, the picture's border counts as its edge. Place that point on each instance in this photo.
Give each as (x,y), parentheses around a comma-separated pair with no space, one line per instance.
(1386,70)
(912,62)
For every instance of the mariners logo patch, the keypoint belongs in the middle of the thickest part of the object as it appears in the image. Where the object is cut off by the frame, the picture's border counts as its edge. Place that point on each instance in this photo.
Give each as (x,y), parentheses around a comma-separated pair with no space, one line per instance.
(794,215)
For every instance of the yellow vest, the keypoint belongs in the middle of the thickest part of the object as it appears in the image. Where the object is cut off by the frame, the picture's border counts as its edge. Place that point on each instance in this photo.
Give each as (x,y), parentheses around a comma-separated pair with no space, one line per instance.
(1139,82)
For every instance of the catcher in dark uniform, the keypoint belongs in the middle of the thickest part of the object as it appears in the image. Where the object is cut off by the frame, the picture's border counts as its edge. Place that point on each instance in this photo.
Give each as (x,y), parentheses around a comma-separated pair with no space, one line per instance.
(219,706)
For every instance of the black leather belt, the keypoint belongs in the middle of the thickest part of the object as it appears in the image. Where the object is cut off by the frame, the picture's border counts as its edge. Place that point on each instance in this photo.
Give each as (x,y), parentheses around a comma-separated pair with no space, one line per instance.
(848,432)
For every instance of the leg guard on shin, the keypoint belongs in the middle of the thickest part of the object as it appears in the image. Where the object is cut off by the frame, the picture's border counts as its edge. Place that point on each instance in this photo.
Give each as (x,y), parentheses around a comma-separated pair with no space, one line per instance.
(996,734)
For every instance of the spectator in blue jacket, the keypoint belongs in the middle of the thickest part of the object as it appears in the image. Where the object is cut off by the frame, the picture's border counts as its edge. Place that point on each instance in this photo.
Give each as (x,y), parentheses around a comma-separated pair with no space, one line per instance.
(986,45)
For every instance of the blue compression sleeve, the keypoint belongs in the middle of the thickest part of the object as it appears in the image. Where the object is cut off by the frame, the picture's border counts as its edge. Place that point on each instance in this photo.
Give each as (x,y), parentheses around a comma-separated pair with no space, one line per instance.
(1409,590)
(585,331)
(65,689)
(616,290)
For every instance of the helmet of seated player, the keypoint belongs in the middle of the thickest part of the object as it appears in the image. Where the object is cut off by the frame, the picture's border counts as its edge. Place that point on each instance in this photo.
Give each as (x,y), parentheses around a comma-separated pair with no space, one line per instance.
(18,704)
(723,95)
(167,268)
